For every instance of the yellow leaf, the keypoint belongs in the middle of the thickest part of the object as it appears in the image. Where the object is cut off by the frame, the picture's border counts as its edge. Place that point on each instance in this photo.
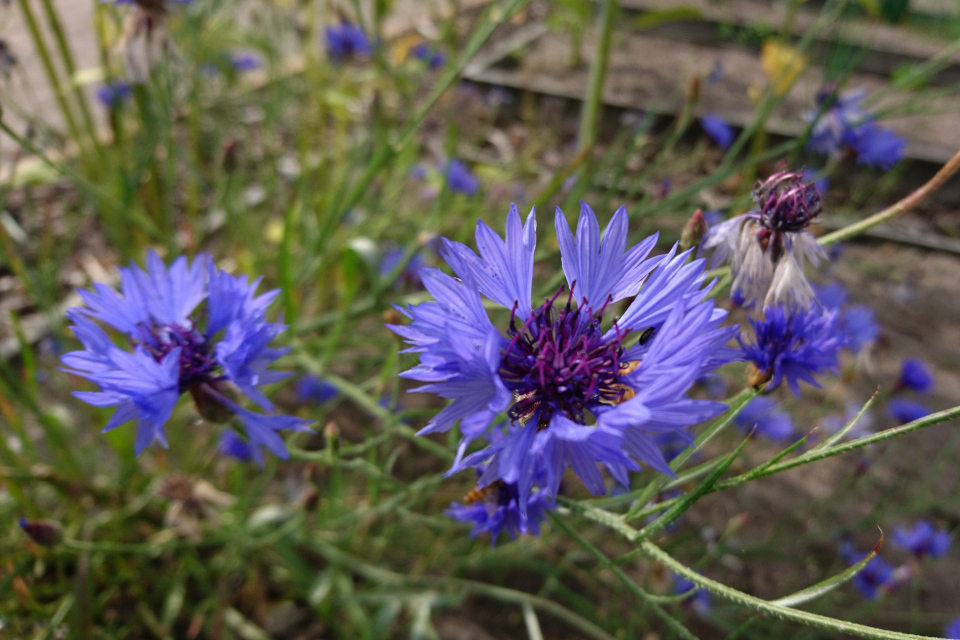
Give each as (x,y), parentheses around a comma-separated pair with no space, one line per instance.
(782,63)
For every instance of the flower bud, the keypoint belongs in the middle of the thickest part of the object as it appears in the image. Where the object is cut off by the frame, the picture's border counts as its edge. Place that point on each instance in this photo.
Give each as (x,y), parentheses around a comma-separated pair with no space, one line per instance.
(694,230)
(46,533)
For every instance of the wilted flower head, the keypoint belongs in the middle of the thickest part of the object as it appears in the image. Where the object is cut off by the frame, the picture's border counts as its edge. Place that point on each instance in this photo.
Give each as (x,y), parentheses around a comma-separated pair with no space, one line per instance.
(46,533)
(923,540)
(145,42)
(577,391)
(915,375)
(766,247)
(844,124)
(764,415)
(903,410)
(347,40)
(791,346)
(191,328)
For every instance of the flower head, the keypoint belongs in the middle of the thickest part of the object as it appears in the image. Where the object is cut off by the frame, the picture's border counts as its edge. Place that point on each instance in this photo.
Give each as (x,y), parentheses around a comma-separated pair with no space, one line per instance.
(856,324)
(875,579)
(952,630)
(766,247)
(845,124)
(577,390)
(762,414)
(718,130)
(700,600)
(792,346)
(313,388)
(461,179)
(922,540)
(191,328)
(429,54)
(347,40)
(915,375)
(114,94)
(903,410)
(410,276)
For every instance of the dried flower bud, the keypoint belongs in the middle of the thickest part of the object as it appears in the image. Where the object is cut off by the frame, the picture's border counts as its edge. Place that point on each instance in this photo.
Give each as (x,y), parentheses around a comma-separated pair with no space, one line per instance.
(46,533)
(694,230)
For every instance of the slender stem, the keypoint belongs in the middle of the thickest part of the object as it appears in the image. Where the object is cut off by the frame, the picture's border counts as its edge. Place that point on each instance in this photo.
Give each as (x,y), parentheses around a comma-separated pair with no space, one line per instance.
(598,73)
(912,200)
(803,617)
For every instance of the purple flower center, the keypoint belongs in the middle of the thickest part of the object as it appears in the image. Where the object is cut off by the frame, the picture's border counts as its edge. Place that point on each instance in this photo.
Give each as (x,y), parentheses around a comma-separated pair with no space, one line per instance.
(558,360)
(197,360)
(786,204)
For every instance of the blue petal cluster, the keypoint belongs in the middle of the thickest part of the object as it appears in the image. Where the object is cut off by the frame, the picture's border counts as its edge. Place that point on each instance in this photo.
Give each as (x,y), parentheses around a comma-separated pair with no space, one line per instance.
(952,630)
(113,94)
(875,579)
(718,130)
(856,323)
(461,179)
(915,375)
(763,414)
(192,328)
(903,410)
(430,54)
(844,124)
(577,391)
(792,346)
(922,540)
(700,601)
(347,40)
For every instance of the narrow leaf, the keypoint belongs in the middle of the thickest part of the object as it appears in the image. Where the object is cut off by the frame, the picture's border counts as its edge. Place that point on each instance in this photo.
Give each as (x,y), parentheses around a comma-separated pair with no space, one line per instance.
(828,585)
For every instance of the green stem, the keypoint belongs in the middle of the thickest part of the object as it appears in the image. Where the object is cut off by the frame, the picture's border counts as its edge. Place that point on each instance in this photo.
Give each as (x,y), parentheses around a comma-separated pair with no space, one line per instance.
(788,613)
(912,200)
(598,73)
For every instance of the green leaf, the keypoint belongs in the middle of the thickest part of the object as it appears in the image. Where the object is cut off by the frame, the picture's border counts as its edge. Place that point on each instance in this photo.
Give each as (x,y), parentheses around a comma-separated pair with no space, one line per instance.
(838,436)
(828,585)
(651,19)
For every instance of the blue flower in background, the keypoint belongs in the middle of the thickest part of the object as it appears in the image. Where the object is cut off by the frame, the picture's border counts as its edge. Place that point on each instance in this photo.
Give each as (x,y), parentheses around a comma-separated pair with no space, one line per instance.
(115,93)
(792,346)
(347,40)
(577,392)
(313,388)
(766,247)
(875,579)
(461,179)
(952,630)
(429,54)
(245,61)
(856,324)
(410,276)
(915,375)
(233,446)
(904,411)
(718,130)
(844,124)
(191,328)
(923,540)
(770,421)
(700,601)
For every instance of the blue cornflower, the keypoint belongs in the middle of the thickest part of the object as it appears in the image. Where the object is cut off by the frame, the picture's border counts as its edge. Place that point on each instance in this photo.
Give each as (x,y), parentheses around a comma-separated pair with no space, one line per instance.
(233,446)
(115,93)
(769,420)
(904,411)
(245,61)
(792,346)
(718,130)
(952,630)
(877,578)
(844,124)
(856,324)
(192,328)
(461,179)
(496,507)
(810,175)
(578,392)
(916,376)
(700,601)
(313,388)
(410,276)
(766,247)
(347,40)
(429,54)
(923,540)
